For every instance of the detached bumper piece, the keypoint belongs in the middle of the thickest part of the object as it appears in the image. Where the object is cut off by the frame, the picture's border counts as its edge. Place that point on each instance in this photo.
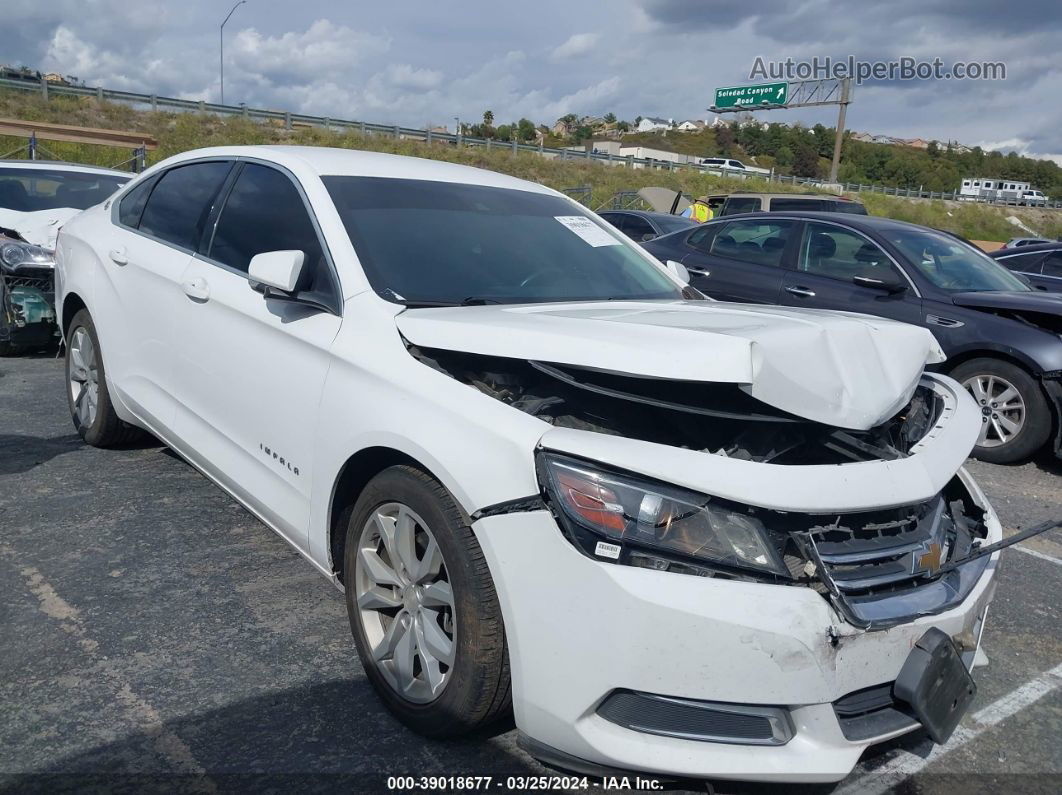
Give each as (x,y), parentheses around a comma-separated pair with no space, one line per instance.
(936,684)
(871,713)
(706,721)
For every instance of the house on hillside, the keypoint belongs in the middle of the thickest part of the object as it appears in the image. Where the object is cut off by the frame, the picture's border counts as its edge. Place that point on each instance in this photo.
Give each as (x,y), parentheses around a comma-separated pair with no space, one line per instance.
(654,124)
(918,143)
(561,128)
(866,138)
(691,125)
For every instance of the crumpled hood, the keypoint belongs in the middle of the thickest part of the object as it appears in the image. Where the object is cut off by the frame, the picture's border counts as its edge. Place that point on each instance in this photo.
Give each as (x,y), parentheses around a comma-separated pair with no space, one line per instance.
(844,369)
(40,227)
(1032,301)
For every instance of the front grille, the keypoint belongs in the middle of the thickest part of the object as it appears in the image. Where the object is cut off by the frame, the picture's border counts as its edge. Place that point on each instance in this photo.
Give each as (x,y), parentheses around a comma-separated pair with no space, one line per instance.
(44,284)
(706,721)
(883,567)
(884,549)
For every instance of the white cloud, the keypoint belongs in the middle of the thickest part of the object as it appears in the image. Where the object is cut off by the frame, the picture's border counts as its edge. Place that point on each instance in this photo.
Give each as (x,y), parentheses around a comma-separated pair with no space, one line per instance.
(321,53)
(405,76)
(577,45)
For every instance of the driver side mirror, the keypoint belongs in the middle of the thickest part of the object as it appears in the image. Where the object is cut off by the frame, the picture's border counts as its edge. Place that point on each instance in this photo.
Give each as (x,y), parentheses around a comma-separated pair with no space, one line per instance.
(678,270)
(279,270)
(890,284)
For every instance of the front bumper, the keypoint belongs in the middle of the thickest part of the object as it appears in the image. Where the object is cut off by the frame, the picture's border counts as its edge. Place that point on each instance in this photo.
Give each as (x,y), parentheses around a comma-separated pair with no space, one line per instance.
(579,629)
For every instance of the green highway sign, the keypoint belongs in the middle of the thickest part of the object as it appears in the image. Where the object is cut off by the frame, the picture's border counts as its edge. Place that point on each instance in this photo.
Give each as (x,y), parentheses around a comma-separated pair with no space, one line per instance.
(751,96)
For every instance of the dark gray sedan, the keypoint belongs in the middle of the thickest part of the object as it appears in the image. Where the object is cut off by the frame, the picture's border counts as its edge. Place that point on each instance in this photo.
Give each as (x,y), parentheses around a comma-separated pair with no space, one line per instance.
(641,225)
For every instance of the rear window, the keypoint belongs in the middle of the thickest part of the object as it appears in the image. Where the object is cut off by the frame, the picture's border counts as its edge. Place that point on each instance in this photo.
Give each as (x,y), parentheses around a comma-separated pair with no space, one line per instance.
(788,205)
(853,208)
(31,189)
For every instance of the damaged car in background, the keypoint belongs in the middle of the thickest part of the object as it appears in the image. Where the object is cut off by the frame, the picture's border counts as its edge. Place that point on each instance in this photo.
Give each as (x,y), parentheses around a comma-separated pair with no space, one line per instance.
(36,198)
(675,536)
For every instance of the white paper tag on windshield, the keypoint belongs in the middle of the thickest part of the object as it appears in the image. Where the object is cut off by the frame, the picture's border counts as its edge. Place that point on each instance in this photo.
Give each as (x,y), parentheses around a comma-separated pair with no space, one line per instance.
(587,230)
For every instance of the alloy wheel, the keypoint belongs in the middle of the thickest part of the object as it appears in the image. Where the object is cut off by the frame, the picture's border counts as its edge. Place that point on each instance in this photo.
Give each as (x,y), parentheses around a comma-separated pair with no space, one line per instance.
(1002,409)
(405,603)
(82,369)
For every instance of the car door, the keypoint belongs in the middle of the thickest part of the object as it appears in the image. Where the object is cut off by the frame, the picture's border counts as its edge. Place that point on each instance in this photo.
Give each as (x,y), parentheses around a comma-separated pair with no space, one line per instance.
(827,263)
(155,229)
(251,368)
(739,260)
(1050,277)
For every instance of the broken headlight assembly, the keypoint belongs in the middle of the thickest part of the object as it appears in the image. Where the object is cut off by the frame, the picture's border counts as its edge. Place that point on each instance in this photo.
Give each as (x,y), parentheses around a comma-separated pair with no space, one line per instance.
(628,519)
(15,255)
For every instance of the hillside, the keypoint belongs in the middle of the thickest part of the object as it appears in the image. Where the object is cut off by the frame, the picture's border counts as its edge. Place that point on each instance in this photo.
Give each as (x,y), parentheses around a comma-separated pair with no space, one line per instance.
(178,132)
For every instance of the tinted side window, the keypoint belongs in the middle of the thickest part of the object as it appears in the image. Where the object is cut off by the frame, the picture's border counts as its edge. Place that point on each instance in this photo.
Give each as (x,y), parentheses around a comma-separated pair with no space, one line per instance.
(132,205)
(701,239)
(180,203)
(746,205)
(853,208)
(788,205)
(1023,263)
(616,219)
(637,228)
(759,242)
(265,212)
(829,250)
(1053,264)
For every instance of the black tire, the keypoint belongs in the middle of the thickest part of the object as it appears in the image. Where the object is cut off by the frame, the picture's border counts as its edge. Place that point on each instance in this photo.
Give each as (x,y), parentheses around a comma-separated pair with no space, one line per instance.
(478,690)
(107,429)
(1036,430)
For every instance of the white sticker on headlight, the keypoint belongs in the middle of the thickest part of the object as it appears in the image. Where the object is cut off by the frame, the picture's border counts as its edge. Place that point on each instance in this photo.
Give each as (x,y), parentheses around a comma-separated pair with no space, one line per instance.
(587,230)
(604,550)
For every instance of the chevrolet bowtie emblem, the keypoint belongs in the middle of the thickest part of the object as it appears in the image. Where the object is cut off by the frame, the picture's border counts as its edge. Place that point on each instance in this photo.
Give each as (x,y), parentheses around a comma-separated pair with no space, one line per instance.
(929,561)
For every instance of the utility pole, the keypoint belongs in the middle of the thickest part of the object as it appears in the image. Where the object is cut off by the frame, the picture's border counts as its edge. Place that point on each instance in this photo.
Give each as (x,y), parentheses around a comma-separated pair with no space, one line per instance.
(846,87)
(221,48)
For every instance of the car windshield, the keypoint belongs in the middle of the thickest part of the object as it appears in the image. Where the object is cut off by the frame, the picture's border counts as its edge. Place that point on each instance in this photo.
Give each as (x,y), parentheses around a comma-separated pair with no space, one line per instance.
(433,242)
(31,189)
(951,264)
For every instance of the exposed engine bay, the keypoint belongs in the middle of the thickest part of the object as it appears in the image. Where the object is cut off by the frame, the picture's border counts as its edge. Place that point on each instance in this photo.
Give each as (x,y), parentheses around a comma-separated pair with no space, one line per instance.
(27,293)
(717,418)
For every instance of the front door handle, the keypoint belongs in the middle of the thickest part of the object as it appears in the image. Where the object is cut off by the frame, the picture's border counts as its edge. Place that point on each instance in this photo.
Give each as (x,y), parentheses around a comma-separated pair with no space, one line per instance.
(196,289)
(118,255)
(803,292)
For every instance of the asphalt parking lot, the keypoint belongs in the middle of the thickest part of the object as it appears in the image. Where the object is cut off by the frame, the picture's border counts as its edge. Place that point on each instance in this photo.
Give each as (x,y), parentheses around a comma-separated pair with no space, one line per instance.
(156,636)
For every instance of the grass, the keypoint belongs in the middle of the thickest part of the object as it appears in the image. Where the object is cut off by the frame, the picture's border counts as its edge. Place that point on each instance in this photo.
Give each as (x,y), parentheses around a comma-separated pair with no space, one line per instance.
(179,132)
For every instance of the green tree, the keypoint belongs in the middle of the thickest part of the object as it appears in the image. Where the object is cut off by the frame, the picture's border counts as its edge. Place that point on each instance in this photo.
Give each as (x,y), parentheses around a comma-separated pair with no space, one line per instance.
(806,160)
(725,140)
(784,158)
(525,130)
(610,118)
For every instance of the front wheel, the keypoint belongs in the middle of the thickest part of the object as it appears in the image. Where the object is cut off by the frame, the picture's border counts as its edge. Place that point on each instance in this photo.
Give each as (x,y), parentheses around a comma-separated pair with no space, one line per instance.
(90,402)
(1015,415)
(422,606)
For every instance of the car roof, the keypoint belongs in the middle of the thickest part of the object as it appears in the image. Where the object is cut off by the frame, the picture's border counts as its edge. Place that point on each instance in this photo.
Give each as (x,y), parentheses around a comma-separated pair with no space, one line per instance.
(851,219)
(63,165)
(802,195)
(331,161)
(1032,248)
(641,213)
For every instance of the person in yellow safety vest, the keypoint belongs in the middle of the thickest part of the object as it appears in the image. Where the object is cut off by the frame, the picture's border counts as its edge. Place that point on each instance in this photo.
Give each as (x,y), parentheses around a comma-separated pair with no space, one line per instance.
(699,211)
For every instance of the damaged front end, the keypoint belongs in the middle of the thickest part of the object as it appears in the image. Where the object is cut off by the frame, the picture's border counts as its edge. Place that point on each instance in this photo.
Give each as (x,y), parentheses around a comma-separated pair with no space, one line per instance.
(877,521)
(27,294)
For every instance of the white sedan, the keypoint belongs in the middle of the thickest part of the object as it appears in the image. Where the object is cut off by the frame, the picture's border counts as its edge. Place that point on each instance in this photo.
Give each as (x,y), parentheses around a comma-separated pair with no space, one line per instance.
(674,536)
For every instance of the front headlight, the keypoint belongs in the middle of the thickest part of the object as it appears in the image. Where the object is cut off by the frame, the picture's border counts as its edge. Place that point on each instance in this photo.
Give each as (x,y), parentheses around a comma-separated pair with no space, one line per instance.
(15,254)
(629,511)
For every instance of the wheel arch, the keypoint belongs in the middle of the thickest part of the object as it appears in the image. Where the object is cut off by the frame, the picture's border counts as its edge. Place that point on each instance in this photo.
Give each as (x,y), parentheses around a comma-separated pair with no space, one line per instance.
(353,477)
(72,304)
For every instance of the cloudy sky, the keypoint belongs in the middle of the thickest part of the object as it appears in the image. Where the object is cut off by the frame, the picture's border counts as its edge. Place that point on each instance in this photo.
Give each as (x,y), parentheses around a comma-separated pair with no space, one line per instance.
(414,62)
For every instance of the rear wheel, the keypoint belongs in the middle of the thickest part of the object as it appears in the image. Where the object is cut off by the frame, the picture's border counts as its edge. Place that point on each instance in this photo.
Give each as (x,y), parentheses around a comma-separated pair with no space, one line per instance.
(422,606)
(90,402)
(1015,416)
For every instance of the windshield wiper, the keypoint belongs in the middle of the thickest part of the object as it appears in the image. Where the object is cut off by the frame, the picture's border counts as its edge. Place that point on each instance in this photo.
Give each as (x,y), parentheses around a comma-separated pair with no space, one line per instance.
(472,300)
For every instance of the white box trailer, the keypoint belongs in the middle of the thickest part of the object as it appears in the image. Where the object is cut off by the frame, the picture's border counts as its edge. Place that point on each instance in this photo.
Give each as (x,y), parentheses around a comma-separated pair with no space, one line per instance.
(994,189)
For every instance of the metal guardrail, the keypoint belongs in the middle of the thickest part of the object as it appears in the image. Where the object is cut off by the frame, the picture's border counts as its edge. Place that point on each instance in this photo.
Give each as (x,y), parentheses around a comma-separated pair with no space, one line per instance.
(291,120)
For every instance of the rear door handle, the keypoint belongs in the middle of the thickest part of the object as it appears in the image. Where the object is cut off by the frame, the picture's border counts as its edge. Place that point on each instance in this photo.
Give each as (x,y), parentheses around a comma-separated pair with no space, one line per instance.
(196,289)
(803,292)
(118,255)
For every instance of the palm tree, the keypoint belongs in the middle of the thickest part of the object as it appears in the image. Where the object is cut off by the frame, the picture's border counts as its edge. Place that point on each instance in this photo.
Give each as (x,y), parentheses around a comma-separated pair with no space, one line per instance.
(488,118)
